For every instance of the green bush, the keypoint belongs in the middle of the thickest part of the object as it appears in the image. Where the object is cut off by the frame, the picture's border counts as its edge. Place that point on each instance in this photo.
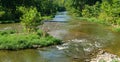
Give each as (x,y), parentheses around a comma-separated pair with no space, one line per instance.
(2,13)
(107,12)
(116,29)
(6,32)
(15,41)
(91,11)
(31,18)
(40,32)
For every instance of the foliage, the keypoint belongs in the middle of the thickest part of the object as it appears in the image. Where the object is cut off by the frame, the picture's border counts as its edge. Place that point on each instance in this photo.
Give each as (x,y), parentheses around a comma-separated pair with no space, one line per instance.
(102,11)
(116,29)
(15,41)
(6,32)
(76,6)
(108,12)
(1,13)
(30,13)
(11,12)
(111,10)
(31,18)
(60,5)
(114,60)
(91,11)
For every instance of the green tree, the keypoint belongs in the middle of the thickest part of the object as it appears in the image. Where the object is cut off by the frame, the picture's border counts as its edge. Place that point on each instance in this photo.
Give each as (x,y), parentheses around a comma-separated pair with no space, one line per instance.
(76,6)
(1,11)
(31,18)
(112,10)
(45,7)
(91,11)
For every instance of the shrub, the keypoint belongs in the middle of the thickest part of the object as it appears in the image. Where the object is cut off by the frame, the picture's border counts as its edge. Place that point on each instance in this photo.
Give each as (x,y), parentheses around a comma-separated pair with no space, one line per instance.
(91,11)
(6,32)
(15,41)
(31,18)
(40,32)
(2,13)
(116,29)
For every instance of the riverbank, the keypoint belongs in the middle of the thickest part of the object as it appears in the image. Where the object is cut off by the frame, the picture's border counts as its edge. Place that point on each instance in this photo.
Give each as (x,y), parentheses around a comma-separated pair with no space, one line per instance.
(18,39)
(114,27)
(104,36)
(11,40)
(103,56)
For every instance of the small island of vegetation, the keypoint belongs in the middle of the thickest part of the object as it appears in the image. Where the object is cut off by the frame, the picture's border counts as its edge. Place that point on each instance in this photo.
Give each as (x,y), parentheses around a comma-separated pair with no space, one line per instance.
(12,40)
(30,14)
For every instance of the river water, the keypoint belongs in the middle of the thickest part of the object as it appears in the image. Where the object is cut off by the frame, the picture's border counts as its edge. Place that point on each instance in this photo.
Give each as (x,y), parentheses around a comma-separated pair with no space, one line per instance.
(80,37)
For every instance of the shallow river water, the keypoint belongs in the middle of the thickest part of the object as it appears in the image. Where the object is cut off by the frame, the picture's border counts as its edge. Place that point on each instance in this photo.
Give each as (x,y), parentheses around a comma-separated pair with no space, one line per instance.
(80,39)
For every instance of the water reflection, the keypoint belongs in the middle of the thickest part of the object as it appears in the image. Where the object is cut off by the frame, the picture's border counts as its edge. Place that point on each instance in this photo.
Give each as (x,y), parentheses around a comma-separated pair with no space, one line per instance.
(55,55)
(21,56)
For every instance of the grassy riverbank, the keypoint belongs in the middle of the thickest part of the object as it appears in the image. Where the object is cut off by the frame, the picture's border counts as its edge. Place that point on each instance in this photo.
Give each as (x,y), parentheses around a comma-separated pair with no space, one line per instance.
(12,40)
(100,11)
(115,28)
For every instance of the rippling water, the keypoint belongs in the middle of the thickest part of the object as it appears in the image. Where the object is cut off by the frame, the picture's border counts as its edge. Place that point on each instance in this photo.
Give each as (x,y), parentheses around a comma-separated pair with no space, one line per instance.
(80,39)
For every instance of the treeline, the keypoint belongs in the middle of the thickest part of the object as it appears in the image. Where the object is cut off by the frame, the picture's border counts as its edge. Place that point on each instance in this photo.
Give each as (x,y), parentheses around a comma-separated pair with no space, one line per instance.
(75,7)
(12,10)
(104,11)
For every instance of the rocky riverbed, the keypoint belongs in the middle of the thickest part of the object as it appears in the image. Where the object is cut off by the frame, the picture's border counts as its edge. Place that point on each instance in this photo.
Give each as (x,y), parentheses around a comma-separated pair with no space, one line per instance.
(103,56)
(58,30)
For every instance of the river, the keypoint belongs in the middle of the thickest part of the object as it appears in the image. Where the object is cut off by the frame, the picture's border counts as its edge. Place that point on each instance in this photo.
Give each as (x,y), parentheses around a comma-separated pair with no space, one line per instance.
(80,39)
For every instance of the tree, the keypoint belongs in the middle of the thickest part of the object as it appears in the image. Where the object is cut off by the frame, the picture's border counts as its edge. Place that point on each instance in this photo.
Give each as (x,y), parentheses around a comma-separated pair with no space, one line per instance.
(45,7)
(76,6)
(108,11)
(31,18)
(112,10)
(91,11)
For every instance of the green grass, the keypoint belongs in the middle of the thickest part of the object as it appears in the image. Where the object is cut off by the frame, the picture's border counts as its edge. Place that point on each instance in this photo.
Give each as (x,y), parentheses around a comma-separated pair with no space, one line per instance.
(93,19)
(116,29)
(10,40)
